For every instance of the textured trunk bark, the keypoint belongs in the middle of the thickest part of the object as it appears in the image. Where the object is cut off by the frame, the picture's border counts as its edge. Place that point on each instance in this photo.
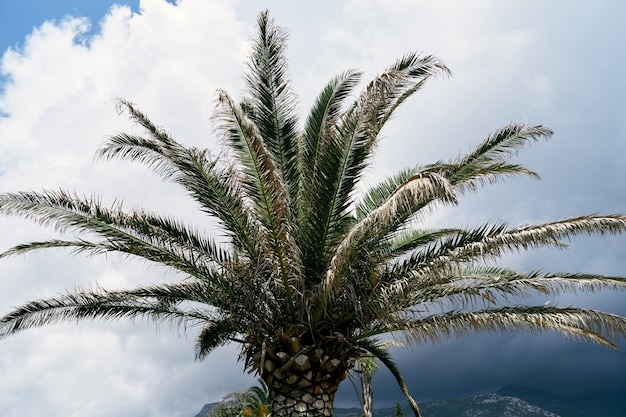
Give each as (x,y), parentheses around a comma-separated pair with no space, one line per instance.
(298,403)
(368,394)
(302,381)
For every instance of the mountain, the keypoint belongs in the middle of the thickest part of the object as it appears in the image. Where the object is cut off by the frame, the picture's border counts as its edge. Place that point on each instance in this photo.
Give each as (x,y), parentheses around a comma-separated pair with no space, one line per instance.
(509,401)
(205,409)
(592,404)
(482,405)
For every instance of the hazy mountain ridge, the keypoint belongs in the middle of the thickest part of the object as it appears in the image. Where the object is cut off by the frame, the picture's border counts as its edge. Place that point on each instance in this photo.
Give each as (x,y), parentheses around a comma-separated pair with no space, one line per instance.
(591,404)
(480,405)
(483,405)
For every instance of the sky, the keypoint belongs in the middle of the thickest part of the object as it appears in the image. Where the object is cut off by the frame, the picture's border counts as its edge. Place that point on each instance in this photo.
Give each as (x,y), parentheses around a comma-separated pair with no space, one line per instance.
(63,64)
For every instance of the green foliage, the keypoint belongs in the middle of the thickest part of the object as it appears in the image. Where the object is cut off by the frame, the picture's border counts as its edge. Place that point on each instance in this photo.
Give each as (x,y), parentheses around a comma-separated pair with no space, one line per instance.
(230,406)
(399,412)
(258,402)
(252,402)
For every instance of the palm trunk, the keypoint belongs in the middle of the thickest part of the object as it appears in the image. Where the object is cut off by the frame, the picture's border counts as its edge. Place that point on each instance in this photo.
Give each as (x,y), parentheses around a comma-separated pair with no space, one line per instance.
(298,402)
(368,394)
(301,381)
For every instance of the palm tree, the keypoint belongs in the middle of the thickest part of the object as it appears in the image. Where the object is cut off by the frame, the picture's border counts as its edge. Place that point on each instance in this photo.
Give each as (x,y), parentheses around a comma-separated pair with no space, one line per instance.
(311,276)
(258,403)
(365,367)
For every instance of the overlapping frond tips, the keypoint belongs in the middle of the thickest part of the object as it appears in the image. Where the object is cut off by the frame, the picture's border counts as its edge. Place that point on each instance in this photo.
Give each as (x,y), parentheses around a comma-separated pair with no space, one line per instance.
(489,161)
(213,188)
(264,186)
(492,242)
(157,239)
(409,196)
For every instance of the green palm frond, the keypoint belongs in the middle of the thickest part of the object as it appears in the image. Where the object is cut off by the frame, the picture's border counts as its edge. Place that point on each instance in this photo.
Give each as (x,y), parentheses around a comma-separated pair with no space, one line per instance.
(472,286)
(263,184)
(139,234)
(214,334)
(403,202)
(319,228)
(211,187)
(488,162)
(489,242)
(322,119)
(271,101)
(89,305)
(407,241)
(578,323)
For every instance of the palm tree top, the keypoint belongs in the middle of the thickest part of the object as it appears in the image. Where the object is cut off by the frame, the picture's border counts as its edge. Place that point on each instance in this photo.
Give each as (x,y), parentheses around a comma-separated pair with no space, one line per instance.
(310,269)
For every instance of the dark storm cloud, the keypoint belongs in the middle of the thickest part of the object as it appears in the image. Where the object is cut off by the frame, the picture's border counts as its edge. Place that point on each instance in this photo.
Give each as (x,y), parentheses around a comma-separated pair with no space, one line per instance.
(486,363)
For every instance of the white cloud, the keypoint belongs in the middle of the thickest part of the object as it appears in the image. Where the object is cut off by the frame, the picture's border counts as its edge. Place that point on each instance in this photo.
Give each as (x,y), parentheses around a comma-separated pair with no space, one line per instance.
(61,105)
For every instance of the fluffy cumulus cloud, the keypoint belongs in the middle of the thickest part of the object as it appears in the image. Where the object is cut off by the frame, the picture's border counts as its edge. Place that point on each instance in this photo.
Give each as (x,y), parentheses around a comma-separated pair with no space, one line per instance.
(558,64)
(59,104)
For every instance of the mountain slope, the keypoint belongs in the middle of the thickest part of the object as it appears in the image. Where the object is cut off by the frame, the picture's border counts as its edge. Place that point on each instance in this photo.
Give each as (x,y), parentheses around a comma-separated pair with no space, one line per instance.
(594,404)
(509,401)
(482,405)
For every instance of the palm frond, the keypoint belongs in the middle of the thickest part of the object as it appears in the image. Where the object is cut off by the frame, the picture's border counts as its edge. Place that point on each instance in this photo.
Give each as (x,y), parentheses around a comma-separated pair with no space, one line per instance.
(417,69)
(379,193)
(153,238)
(407,241)
(265,187)
(89,305)
(377,224)
(319,229)
(577,323)
(532,236)
(272,102)
(214,334)
(489,242)
(211,187)
(322,118)
(492,285)
(488,162)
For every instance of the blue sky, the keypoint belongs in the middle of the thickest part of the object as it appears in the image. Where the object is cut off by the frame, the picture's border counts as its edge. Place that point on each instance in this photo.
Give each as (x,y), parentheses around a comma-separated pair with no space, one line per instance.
(18,18)
(560,64)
